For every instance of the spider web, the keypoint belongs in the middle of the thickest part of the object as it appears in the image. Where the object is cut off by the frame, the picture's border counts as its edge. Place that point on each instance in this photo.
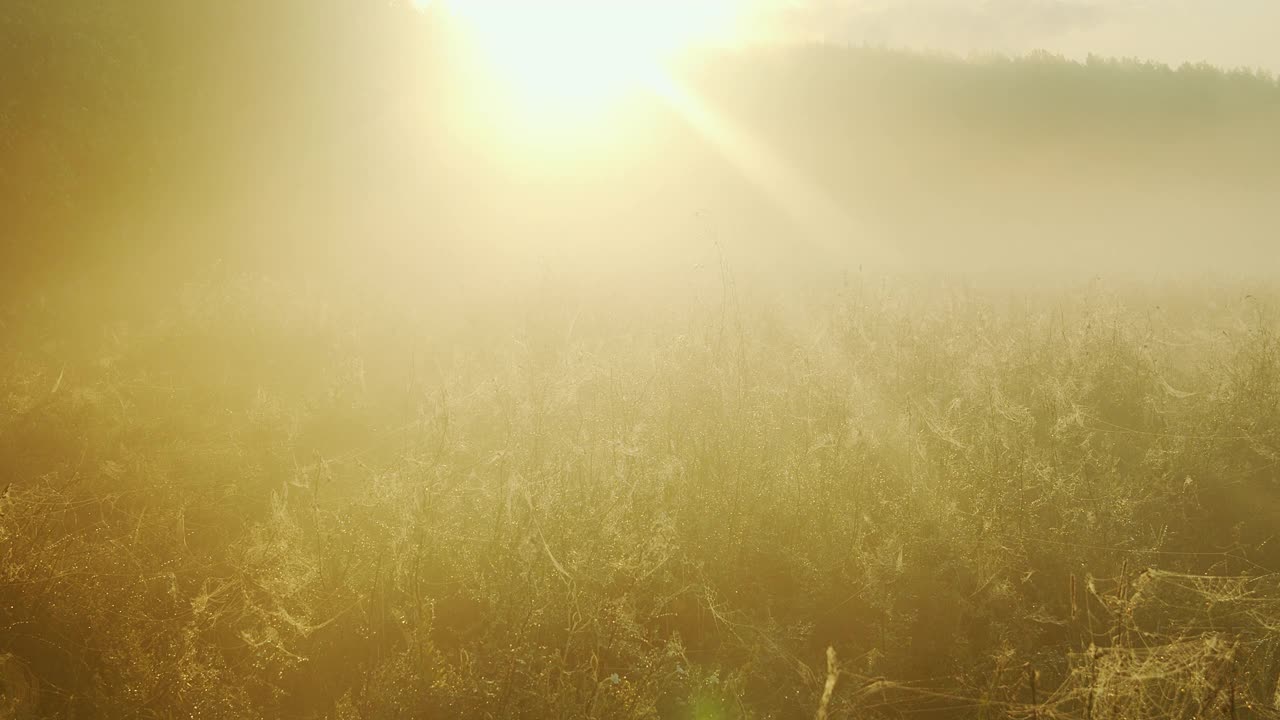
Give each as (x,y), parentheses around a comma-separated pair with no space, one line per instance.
(1179,646)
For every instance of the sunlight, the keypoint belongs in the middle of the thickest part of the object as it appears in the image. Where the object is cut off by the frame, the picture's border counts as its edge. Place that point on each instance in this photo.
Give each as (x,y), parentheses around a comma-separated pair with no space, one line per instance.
(821,221)
(563,62)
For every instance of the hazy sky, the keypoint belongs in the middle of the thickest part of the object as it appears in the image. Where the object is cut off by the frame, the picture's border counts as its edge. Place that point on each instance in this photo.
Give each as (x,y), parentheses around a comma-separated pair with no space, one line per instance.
(1223,32)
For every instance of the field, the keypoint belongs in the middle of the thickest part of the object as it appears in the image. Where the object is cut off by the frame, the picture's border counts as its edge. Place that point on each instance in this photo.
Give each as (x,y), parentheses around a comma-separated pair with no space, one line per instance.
(258,500)
(812,381)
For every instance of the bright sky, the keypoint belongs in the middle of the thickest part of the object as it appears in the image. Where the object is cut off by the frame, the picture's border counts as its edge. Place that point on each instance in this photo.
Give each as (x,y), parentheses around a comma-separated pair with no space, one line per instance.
(1224,32)
(1229,33)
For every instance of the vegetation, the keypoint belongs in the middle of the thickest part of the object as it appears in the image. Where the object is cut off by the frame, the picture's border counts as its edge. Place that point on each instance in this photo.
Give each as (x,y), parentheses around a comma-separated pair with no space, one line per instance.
(318,400)
(266,502)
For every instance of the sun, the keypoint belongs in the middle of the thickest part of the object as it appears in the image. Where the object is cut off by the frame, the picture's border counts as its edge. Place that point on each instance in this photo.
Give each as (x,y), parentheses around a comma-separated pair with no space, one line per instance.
(563,62)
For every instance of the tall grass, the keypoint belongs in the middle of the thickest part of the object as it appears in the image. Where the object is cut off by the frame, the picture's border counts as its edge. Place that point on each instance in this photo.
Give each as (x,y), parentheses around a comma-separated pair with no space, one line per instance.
(260,500)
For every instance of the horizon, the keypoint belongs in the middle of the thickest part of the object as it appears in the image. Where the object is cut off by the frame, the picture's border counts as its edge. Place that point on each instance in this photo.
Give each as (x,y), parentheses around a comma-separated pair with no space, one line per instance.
(1230,35)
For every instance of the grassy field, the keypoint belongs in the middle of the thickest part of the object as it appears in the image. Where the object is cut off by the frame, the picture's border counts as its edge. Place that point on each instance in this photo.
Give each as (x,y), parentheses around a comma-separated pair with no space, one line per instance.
(340,378)
(262,499)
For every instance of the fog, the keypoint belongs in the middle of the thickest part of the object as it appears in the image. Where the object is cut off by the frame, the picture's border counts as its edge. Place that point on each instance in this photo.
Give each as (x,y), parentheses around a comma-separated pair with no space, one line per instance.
(396,360)
(798,158)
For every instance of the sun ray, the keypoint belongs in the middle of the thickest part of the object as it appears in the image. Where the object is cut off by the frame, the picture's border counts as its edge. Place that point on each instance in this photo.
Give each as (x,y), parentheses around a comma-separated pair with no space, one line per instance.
(825,225)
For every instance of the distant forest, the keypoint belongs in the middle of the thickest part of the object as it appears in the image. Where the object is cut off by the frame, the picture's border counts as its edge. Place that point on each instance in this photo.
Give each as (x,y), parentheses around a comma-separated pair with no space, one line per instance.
(207,128)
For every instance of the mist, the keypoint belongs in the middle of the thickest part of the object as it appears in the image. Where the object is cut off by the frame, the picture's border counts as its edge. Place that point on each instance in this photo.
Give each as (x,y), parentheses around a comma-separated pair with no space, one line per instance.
(849,360)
